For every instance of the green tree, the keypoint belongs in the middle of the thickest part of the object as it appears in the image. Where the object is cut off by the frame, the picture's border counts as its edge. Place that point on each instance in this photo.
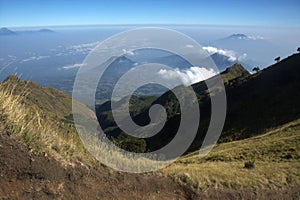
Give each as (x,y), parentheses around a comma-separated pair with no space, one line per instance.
(256,69)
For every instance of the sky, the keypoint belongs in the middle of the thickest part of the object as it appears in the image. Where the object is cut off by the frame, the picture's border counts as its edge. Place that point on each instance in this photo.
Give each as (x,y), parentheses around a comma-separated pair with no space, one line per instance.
(28,13)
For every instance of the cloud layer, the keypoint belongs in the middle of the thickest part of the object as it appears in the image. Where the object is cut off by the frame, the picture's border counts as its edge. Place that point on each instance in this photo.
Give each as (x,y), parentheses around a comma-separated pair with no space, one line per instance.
(35,58)
(83,48)
(77,65)
(188,76)
(232,55)
(256,37)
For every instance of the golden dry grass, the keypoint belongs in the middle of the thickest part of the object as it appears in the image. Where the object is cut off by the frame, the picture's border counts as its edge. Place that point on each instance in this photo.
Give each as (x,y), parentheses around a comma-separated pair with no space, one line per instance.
(46,134)
(276,155)
(41,133)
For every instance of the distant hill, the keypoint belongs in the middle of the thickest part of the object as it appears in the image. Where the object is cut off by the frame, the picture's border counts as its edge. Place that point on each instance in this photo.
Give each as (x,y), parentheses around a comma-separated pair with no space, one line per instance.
(6,31)
(34,32)
(257,50)
(221,61)
(175,61)
(122,64)
(46,31)
(238,36)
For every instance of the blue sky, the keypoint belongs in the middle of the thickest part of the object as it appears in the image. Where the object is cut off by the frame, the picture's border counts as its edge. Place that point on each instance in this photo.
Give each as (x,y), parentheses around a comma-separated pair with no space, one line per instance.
(228,12)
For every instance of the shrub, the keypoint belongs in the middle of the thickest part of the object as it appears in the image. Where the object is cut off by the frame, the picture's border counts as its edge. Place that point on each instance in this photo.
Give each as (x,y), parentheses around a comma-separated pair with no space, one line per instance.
(249,164)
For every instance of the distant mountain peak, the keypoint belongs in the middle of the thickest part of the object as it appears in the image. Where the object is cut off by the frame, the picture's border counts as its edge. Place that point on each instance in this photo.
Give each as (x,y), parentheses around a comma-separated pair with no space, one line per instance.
(6,31)
(238,36)
(237,68)
(235,71)
(46,31)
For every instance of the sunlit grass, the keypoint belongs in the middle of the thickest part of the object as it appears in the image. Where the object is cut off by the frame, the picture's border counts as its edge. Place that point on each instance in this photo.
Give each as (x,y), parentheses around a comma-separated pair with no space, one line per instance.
(40,132)
(275,155)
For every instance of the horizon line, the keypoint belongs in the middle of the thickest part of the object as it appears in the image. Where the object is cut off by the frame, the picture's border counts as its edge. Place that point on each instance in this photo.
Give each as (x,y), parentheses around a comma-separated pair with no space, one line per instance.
(151,24)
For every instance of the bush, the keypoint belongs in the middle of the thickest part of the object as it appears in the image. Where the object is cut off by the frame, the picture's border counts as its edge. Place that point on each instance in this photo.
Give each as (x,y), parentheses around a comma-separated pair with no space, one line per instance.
(249,164)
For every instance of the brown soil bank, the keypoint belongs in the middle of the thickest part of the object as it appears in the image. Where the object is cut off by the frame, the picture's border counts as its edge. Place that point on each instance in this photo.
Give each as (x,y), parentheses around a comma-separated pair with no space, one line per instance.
(24,175)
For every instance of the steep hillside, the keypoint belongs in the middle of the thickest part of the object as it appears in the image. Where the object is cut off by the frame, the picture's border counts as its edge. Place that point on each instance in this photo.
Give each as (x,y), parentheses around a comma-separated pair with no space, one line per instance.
(265,100)
(255,103)
(169,101)
(41,118)
(51,101)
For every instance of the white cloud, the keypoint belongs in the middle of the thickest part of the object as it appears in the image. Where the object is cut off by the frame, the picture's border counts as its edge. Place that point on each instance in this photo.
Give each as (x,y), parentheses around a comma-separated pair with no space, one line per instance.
(77,65)
(189,46)
(128,52)
(230,54)
(256,37)
(84,45)
(35,58)
(84,48)
(189,76)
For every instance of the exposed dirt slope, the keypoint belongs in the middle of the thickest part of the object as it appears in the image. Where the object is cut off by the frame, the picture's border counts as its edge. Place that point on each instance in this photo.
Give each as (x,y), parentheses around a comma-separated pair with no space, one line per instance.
(25,175)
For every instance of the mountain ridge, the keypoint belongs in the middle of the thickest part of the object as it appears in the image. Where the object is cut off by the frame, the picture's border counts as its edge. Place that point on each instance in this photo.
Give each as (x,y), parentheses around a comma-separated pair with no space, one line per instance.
(6,31)
(241,113)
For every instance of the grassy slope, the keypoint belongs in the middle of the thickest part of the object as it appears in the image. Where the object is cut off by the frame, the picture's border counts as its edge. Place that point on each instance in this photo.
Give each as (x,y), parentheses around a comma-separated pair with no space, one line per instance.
(51,101)
(39,117)
(276,155)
